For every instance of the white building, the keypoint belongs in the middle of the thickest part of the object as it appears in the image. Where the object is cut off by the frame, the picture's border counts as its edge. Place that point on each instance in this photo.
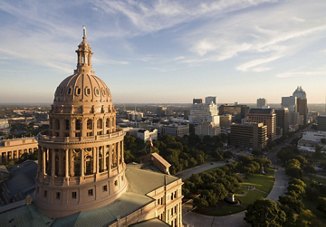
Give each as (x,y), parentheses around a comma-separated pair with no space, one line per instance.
(147,135)
(310,140)
(135,115)
(205,117)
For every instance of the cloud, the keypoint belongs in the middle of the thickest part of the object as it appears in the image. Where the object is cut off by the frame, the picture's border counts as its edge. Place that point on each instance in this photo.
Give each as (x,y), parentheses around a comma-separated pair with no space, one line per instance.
(301,74)
(254,64)
(279,32)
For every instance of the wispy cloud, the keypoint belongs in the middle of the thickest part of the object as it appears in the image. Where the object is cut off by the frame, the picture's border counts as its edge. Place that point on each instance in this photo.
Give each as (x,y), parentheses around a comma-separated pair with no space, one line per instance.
(302,74)
(261,41)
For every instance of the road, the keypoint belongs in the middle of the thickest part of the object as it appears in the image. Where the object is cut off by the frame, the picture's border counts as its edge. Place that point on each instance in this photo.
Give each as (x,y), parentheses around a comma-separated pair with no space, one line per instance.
(185,174)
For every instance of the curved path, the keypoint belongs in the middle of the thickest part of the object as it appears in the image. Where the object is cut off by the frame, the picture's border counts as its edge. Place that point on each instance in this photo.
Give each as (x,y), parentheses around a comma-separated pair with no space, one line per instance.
(235,220)
(185,174)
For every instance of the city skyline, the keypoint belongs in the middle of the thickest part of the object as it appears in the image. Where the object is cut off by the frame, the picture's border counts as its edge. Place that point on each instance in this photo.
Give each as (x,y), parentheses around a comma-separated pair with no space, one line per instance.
(166,51)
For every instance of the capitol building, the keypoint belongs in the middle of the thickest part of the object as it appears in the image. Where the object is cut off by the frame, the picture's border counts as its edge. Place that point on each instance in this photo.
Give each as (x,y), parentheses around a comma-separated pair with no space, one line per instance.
(82,178)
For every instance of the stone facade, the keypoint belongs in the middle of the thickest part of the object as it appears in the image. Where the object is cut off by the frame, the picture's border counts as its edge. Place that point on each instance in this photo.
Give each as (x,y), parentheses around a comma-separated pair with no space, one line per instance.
(13,149)
(81,162)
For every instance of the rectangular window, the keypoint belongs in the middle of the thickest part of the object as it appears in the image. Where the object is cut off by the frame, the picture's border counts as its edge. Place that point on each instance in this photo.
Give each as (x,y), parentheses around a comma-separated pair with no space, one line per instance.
(74,195)
(45,193)
(67,124)
(57,195)
(105,188)
(90,192)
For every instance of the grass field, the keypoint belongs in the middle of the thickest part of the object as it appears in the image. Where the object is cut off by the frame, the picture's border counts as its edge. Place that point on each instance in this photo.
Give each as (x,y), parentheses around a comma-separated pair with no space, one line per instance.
(254,187)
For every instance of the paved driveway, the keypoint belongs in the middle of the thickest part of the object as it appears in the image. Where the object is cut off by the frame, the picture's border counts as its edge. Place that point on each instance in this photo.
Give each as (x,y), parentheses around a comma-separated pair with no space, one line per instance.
(185,174)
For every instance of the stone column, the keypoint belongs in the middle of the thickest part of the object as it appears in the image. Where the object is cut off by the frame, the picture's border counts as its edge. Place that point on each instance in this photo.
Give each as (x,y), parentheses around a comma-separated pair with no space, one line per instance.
(67,163)
(72,127)
(97,149)
(60,171)
(52,163)
(39,160)
(72,163)
(117,147)
(110,159)
(95,160)
(43,160)
(82,171)
(104,158)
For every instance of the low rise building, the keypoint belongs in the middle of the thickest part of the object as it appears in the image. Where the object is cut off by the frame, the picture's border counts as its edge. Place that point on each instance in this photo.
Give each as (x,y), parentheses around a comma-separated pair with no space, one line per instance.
(147,135)
(311,139)
(175,130)
(321,121)
(13,149)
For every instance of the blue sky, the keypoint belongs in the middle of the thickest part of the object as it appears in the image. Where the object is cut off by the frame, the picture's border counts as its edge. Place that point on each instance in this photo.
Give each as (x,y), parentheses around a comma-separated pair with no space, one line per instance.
(166,51)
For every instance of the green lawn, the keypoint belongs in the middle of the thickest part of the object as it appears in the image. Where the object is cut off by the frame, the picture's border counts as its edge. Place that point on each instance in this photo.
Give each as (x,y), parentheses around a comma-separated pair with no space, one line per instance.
(254,187)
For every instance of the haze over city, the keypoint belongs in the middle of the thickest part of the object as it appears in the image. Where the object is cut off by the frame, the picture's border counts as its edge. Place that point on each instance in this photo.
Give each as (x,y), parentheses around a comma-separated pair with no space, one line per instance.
(166,51)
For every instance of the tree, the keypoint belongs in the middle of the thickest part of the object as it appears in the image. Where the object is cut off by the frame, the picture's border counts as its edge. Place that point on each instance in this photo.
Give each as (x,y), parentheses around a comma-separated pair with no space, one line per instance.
(265,212)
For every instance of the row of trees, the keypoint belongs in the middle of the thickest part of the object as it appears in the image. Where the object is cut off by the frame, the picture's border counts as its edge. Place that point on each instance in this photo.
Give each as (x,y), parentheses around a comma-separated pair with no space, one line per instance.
(289,211)
(252,164)
(181,153)
(295,163)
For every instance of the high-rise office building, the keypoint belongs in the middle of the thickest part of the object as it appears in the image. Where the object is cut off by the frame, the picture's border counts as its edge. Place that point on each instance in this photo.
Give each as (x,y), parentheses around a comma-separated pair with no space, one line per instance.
(261,103)
(210,99)
(302,106)
(266,116)
(282,120)
(249,135)
(205,117)
(237,111)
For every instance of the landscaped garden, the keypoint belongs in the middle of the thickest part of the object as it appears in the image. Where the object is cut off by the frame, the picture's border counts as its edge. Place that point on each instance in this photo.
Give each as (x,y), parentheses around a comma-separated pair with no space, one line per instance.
(253,187)
(248,179)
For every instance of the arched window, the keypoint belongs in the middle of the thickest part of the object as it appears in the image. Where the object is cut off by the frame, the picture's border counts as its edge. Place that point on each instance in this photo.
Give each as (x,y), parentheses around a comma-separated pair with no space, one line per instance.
(78,125)
(89,124)
(99,124)
(67,124)
(88,164)
(108,123)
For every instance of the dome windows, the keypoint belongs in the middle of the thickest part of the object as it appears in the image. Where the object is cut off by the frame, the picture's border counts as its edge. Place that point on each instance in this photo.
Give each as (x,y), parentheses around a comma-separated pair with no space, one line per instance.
(69,91)
(96,91)
(103,92)
(87,91)
(77,91)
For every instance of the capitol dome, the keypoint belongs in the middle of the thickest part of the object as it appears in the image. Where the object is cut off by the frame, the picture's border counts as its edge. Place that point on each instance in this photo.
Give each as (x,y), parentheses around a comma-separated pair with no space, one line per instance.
(83,85)
(81,157)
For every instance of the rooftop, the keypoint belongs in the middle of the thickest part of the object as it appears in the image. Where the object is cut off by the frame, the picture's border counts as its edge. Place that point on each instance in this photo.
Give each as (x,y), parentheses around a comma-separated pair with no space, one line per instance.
(141,182)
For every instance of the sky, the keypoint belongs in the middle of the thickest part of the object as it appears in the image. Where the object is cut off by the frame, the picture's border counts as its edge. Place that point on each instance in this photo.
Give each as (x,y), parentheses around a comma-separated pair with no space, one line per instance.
(160,51)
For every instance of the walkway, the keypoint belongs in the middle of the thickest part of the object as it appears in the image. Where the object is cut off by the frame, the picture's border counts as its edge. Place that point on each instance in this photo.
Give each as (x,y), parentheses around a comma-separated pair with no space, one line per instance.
(185,174)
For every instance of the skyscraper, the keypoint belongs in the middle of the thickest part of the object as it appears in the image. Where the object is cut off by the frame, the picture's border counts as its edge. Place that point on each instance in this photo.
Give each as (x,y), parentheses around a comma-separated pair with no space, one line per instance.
(302,107)
(266,116)
(261,103)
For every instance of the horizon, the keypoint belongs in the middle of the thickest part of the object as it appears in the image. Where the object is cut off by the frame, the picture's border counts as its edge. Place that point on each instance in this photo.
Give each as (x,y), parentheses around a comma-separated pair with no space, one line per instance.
(166,52)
